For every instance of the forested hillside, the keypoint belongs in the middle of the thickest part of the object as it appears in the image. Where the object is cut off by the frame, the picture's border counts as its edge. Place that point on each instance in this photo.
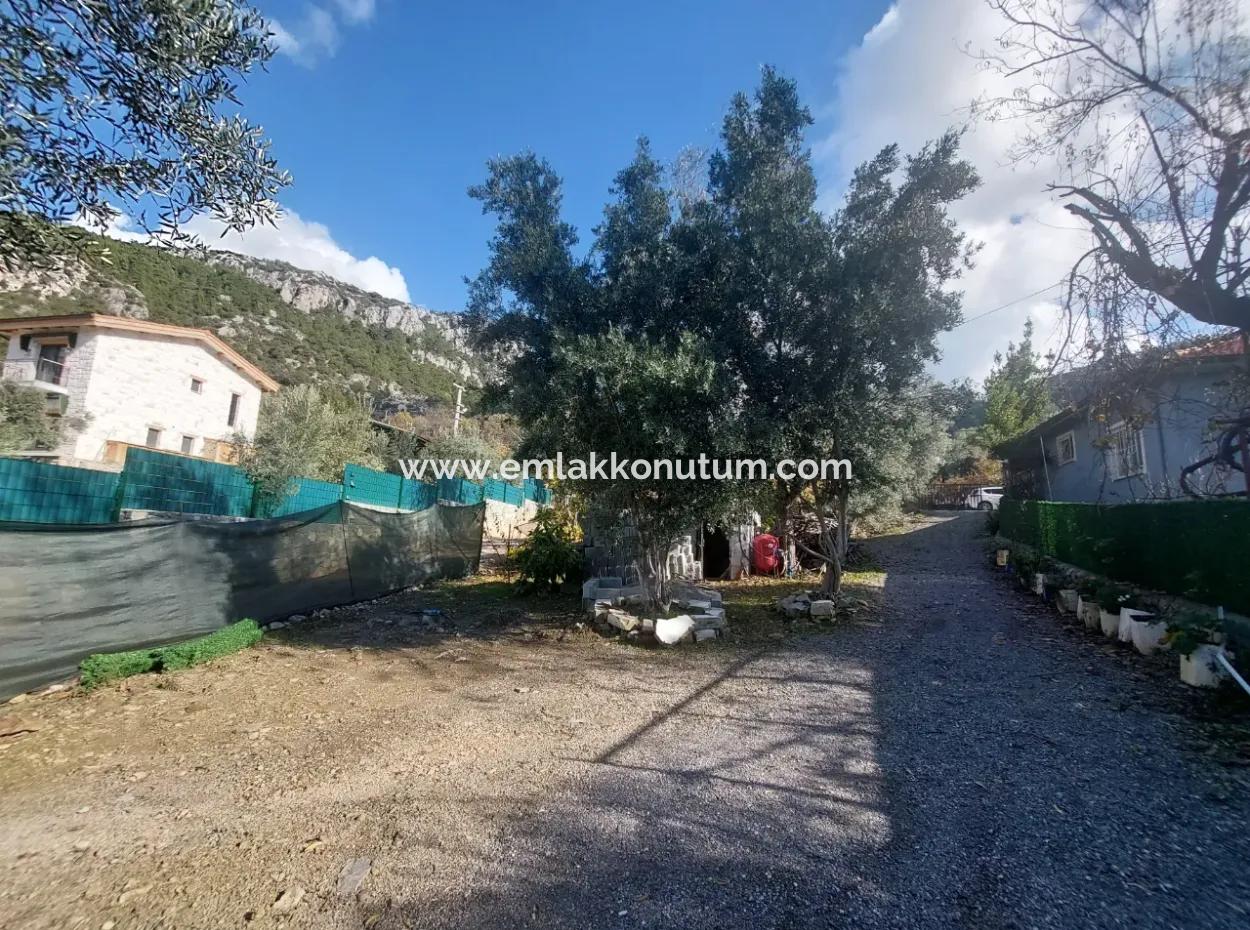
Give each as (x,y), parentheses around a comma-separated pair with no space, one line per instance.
(299,326)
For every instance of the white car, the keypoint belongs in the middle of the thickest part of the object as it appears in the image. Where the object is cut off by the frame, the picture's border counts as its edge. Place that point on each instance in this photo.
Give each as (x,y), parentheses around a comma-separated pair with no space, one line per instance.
(984,499)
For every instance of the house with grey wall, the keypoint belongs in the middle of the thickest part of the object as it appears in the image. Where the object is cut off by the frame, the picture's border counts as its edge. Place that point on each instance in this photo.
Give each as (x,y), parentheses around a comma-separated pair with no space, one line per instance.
(1130,442)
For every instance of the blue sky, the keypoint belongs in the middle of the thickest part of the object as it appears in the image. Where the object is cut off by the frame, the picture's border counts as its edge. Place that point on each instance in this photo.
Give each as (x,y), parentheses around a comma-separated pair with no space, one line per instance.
(385,111)
(384,136)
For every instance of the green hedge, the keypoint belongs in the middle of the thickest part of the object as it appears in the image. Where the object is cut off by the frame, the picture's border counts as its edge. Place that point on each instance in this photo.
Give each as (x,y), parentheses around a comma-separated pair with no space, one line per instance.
(1194,549)
(107,666)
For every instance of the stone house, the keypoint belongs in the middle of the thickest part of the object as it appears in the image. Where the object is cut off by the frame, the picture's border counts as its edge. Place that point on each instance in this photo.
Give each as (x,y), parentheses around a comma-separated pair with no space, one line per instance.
(119,382)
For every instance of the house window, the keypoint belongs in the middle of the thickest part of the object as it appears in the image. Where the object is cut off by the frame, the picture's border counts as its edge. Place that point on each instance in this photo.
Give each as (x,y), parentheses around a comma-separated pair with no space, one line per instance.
(50,368)
(1066,446)
(197,386)
(232,419)
(1125,453)
(188,444)
(154,438)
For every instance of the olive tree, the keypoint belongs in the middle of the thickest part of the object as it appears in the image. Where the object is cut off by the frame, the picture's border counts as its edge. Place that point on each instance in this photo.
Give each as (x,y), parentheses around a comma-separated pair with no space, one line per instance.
(126,104)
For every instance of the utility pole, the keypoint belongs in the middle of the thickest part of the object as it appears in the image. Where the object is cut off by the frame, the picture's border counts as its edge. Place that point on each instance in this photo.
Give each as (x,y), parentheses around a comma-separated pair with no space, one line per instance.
(455,423)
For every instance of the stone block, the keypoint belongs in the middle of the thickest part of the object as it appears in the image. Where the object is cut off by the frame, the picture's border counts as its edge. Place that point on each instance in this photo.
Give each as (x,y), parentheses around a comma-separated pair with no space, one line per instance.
(708,622)
(623,621)
(823,609)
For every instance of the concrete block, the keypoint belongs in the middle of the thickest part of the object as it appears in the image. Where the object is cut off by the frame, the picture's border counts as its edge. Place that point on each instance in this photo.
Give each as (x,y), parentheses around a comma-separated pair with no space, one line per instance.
(708,622)
(623,621)
(823,609)
(701,635)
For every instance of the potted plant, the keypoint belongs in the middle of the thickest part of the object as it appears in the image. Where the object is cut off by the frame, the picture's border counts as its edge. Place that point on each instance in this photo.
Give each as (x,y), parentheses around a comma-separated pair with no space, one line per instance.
(1087,604)
(1197,637)
(1026,566)
(1067,597)
(1146,629)
(1111,598)
(1043,568)
(1129,606)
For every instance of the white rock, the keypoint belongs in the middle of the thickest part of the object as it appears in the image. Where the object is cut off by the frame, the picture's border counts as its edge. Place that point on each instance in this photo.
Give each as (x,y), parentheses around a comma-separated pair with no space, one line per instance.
(352,876)
(672,630)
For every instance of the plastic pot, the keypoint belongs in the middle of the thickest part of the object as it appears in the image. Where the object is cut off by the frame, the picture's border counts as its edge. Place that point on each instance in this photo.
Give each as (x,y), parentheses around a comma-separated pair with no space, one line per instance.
(1200,669)
(1125,630)
(1146,632)
(1109,623)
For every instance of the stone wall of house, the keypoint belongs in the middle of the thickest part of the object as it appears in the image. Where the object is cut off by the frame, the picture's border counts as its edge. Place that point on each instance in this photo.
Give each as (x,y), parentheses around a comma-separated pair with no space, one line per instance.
(122,384)
(509,522)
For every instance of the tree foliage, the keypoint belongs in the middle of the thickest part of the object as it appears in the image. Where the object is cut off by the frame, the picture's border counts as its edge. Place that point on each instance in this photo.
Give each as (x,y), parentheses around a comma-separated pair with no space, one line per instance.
(548,556)
(739,321)
(124,103)
(466,446)
(1016,395)
(24,423)
(1146,106)
(305,432)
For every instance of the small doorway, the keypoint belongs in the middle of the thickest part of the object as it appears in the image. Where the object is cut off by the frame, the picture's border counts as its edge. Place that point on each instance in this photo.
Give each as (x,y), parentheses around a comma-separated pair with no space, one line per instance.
(715,552)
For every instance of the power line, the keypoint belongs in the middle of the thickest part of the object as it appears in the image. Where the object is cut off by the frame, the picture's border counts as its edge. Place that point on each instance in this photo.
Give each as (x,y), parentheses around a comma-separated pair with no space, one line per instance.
(1010,303)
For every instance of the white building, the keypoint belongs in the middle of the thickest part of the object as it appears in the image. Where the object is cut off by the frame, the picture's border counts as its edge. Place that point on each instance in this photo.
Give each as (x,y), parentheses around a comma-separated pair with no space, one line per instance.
(121,382)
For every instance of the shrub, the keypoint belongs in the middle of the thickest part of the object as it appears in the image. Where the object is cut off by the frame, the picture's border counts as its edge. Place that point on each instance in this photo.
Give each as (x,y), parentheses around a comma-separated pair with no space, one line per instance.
(97,669)
(549,556)
(1189,629)
(1111,597)
(1193,549)
(992,522)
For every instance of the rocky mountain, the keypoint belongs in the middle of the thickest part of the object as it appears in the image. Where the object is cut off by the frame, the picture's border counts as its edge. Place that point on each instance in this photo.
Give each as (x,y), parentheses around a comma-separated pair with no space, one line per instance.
(299,325)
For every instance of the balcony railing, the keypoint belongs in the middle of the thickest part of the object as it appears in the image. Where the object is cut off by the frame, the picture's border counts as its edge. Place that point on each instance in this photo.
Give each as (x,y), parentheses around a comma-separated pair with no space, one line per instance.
(50,372)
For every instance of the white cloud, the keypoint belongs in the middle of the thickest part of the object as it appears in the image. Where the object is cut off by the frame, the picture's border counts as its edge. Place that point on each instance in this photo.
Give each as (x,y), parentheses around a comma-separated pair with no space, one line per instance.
(356,11)
(299,242)
(316,35)
(309,245)
(911,79)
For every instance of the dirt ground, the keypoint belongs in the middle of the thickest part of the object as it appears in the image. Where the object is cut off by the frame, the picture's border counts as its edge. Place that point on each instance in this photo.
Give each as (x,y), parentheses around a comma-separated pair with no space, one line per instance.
(243,793)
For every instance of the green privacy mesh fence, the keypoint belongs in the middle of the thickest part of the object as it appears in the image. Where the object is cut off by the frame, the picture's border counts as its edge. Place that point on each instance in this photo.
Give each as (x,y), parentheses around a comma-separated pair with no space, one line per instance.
(1194,549)
(309,494)
(181,484)
(36,492)
(366,486)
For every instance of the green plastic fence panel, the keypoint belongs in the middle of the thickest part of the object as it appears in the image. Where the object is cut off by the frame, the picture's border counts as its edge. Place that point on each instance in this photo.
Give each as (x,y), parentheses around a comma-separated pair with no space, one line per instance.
(366,486)
(180,484)
(1194,549)
(38,492)
(309,494)
(460,491)
(418,495)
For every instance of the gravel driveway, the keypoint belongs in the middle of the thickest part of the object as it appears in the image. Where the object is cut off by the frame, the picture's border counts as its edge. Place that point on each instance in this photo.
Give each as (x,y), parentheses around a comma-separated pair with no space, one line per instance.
(966,761)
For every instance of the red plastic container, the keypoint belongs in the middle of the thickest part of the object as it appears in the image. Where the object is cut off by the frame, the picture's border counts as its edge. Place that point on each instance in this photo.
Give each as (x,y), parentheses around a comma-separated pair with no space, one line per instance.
(765,554)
